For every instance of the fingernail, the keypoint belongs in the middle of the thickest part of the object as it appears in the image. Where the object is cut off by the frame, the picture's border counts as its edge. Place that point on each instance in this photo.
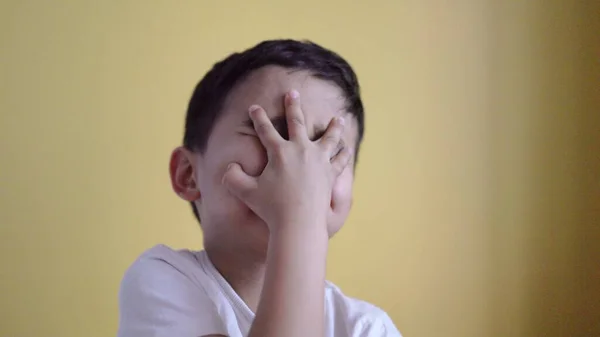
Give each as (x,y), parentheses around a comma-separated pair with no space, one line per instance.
(294,94)
(253,108)
(341,120)
(229,166)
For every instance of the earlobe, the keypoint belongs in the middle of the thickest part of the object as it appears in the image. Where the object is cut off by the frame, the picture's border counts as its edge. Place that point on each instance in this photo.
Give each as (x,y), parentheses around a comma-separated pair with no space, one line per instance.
(182,169)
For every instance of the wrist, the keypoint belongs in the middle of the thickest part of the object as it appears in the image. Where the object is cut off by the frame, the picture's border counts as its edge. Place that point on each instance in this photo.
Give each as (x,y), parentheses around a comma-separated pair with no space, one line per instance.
(313,230)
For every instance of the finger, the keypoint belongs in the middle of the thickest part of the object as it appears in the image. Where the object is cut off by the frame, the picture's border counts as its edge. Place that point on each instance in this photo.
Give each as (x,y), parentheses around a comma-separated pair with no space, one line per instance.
(295,117)
(341,161)
(238,182)
(265,130)
(331,139)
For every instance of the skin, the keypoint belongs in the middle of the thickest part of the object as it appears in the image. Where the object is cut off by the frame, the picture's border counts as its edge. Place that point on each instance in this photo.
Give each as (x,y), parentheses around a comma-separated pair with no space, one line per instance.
(272,186)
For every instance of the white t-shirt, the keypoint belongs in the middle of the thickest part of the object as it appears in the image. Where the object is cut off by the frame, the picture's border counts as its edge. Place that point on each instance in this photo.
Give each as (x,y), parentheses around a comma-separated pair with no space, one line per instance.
(168,293)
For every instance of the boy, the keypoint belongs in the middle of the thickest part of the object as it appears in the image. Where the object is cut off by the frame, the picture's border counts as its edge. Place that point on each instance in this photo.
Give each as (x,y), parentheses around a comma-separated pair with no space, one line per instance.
(267,162)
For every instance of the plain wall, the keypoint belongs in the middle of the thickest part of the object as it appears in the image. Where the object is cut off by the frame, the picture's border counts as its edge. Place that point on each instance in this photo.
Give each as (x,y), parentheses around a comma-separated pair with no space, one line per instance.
(477,197)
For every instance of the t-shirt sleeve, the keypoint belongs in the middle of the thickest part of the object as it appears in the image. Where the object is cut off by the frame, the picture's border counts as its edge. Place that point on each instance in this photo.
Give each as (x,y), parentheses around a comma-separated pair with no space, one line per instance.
(158,300)
(379,326)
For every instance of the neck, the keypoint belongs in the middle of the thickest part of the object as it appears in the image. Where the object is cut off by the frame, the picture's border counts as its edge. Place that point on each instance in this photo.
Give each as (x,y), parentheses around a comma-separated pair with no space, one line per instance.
(244,272)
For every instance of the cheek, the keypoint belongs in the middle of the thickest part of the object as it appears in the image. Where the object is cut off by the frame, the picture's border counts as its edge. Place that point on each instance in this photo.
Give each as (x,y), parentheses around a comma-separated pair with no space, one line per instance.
(252,156)
(341,202)
(246,151)
(341,198)
(216,203)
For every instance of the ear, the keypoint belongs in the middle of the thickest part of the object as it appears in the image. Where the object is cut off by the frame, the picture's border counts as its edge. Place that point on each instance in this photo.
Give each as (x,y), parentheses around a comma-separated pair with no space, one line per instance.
(182,169)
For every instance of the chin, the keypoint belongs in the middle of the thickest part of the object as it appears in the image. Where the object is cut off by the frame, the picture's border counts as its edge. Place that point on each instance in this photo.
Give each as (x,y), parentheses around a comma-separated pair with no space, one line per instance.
(253,233)
(250,219)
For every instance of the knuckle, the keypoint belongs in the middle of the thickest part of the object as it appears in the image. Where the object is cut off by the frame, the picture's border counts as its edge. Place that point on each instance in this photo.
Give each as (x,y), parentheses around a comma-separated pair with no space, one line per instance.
(296,121)
(331,137)
(277,149)
(334,131)
(262,128)
(338,130)
(304,153)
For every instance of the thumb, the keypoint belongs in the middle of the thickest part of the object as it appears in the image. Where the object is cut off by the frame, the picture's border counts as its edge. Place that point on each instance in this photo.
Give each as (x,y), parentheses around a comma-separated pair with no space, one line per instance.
(238,182)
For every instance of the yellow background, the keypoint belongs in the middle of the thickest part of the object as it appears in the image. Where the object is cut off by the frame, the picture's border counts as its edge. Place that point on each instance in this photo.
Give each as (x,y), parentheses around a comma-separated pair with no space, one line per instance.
(477,199)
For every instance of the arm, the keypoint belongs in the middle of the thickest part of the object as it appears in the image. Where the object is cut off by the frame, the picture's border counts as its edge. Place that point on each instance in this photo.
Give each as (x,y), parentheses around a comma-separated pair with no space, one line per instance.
(292,302)
(293,196)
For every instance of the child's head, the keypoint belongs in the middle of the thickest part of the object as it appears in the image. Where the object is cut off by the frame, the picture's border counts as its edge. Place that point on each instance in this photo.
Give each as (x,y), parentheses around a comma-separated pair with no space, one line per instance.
(218,131)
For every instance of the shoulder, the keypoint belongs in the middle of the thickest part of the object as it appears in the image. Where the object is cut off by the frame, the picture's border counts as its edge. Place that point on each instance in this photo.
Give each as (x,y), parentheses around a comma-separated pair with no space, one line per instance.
(161,266)
(177,258)
(163,292)
(358,318)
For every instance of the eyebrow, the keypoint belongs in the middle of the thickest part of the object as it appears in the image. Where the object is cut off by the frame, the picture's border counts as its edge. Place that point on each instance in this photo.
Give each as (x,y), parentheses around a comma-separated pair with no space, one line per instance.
(280,124)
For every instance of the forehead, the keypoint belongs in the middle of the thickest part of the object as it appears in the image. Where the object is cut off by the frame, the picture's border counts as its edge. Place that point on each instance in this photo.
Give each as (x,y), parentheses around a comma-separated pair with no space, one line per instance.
(320,100)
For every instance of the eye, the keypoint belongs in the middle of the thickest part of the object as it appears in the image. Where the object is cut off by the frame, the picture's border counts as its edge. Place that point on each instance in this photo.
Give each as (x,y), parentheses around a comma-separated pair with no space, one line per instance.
(248,134)
(283,132)
(280,126)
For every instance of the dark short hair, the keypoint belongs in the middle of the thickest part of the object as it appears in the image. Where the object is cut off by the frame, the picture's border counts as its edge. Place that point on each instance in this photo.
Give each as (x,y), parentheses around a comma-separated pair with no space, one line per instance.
(211,92)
